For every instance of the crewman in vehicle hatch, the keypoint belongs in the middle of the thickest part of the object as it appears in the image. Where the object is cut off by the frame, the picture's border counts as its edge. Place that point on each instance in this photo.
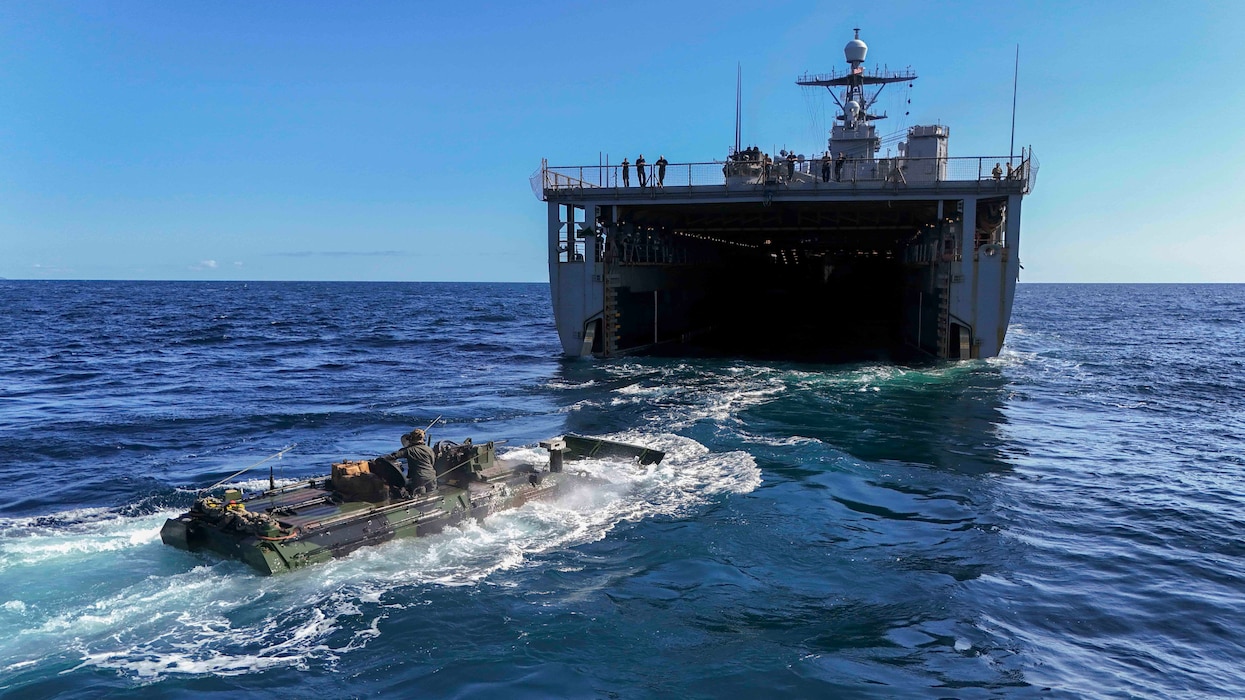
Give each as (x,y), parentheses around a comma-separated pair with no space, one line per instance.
(421,476)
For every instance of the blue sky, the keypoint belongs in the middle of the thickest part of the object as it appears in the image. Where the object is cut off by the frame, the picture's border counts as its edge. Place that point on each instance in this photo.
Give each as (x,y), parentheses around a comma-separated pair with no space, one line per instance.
(394,141)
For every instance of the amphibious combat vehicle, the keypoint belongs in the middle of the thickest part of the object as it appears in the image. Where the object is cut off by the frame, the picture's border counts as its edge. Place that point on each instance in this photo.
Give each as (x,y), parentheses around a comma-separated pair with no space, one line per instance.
(364,503)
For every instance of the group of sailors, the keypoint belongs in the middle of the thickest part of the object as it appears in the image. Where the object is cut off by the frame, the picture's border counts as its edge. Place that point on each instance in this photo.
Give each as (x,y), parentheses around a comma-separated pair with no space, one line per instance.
(752,160)
(1012,173)
(657,175)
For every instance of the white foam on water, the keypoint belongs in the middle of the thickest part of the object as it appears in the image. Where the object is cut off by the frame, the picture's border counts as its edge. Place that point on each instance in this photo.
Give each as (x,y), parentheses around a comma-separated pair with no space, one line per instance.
(724,405)
(638,389)
(562,384)
(249,485)
(879,378)
(1039,362)
(261,484)
(683,395)
(74,536)
(218,618)
(18,526)
(785,441)
(696,395)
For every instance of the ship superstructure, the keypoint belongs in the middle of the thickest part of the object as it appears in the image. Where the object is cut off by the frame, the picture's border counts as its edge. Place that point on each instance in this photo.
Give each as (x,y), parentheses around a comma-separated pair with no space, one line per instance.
(834,256)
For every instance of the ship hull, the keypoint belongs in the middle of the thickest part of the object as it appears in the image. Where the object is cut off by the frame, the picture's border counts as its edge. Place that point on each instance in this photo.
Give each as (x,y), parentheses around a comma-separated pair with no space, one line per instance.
(822,275)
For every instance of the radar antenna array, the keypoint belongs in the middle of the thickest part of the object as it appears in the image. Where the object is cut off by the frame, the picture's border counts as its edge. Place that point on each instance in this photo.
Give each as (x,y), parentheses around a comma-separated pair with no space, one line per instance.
(855,79)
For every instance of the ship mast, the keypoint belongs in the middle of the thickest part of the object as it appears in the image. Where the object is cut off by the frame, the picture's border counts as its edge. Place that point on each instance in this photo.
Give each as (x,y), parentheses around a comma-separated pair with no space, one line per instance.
(855,105)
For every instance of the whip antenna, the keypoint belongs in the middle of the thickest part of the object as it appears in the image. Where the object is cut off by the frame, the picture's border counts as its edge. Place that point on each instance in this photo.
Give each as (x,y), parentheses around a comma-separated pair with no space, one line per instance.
(436,420)
(739,84)
(243,471)
(1011,148)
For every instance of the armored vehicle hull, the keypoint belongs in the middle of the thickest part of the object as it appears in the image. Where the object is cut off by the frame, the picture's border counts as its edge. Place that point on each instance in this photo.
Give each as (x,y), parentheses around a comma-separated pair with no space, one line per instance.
(366,503)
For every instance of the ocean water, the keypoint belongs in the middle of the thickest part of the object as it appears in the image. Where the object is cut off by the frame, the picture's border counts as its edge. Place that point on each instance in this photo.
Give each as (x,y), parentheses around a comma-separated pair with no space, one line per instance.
(1064,521)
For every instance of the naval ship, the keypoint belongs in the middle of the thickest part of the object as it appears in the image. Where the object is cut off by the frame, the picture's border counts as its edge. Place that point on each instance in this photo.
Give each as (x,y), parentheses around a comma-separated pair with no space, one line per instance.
(837,256)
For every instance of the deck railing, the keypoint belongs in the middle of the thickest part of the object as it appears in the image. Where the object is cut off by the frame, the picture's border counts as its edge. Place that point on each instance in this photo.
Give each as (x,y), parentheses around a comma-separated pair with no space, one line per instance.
(811,174)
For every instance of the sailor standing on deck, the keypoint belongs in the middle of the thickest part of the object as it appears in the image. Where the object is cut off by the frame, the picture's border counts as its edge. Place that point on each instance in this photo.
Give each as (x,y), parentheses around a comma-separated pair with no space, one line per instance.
(661,171)
(421,476)
(639,171)
(626,172)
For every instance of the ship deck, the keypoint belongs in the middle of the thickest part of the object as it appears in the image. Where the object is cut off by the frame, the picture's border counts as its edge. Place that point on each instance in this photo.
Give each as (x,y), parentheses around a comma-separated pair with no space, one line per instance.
(707,182)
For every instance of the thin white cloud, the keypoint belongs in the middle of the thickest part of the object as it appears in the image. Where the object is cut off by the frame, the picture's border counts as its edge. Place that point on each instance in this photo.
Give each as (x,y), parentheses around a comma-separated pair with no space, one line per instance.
(52,269)
(340,253)
(205,265)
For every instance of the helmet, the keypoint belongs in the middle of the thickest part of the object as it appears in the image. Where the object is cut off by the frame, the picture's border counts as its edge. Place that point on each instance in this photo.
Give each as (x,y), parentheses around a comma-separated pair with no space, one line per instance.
(415,437)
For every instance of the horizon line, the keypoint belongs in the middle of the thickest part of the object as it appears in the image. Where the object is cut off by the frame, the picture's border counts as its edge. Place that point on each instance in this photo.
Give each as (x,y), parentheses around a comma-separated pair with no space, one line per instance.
(352,281)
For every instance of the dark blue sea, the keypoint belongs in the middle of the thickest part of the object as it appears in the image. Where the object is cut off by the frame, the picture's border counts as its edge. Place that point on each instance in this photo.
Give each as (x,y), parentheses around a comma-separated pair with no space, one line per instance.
(1064,521)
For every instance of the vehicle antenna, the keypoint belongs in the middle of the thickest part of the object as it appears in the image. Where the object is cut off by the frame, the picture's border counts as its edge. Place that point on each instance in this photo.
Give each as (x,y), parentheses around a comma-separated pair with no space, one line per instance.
(240,473)
(434,422)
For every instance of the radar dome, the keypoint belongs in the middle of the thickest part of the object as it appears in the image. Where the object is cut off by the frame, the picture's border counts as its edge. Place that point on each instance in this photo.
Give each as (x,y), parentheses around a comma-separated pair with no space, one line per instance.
(851,111)
(855,50)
